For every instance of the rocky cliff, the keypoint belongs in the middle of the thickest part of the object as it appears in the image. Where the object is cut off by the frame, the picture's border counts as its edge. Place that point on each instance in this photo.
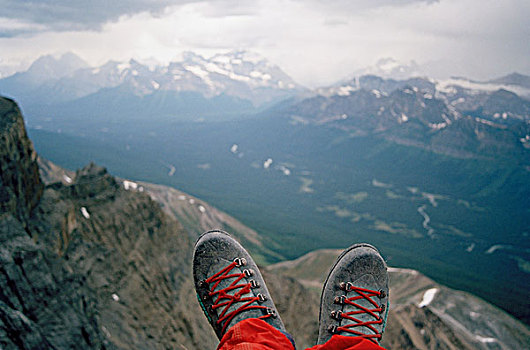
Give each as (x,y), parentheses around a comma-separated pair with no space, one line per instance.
(20,186)
(87,264)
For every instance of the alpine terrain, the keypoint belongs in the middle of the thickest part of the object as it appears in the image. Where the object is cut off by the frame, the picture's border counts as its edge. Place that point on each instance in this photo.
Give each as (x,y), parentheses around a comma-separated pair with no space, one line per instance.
(434,172)
(93,261)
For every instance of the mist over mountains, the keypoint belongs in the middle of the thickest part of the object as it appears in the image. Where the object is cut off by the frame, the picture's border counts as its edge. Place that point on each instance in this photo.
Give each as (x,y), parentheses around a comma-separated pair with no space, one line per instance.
(433,172)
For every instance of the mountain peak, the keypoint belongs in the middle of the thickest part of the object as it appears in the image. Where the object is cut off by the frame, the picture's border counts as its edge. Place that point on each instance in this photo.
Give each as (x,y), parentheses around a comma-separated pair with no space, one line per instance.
(49,67)
(513,79)
(190,56)
(388,67)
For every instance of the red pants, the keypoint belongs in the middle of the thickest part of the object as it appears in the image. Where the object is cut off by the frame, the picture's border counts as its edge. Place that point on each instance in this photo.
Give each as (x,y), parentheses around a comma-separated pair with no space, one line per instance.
(256,334)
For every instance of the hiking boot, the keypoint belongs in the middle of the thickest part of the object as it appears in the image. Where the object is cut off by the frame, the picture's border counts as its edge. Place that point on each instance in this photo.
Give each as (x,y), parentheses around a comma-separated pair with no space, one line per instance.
(354,299)
(229,286)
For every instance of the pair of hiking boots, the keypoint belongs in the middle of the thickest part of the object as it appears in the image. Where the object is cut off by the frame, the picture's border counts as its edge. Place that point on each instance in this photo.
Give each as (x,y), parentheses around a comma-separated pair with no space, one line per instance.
(230,288)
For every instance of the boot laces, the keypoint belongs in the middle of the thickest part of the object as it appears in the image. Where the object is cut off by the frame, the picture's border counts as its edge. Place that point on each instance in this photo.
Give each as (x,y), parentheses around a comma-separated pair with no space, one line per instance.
(234,293)
(350,327)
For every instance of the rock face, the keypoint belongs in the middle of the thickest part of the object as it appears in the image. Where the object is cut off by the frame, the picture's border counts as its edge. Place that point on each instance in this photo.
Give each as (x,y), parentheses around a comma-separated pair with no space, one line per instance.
(88,264)
(20,186)
(43,304)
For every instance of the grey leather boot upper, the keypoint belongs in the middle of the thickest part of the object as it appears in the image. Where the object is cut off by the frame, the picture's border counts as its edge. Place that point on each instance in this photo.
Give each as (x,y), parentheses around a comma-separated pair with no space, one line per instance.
(229,285)
(354,299)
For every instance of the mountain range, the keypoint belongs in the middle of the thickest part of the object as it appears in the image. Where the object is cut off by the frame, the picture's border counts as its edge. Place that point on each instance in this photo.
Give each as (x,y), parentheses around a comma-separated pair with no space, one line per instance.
(238,73)
(93,261)
(227,86)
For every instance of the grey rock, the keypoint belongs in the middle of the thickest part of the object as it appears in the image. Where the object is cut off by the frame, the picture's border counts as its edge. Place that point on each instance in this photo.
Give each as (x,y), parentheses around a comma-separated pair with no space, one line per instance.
(20,185)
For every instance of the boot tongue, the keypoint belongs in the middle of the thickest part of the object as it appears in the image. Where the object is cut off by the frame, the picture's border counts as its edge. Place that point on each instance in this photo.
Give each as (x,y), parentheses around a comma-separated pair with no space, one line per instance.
(368,282)
(225,283)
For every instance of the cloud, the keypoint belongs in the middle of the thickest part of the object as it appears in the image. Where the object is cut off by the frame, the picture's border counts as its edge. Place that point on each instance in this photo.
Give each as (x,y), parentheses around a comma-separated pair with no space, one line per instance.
(315,41)
(353,6)
(77,15)
(14,27)
(230,8)
(72,15)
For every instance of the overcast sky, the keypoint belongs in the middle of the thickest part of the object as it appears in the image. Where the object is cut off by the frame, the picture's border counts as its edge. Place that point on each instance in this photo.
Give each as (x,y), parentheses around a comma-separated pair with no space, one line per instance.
(315,41)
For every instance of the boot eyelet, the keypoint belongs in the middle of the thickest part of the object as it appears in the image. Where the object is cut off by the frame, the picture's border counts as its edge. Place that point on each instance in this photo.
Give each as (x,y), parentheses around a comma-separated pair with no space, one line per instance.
(382,294)
(339,300)
(332,329)
(254,284)
(271,312)
(248,273)
(203,284)
(383,308)
(346,286)
(261,298)
(336,314)
(240,262)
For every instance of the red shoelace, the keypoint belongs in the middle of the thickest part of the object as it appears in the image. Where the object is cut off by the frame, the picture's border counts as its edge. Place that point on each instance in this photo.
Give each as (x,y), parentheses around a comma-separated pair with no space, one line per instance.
(221,298)
(362,294)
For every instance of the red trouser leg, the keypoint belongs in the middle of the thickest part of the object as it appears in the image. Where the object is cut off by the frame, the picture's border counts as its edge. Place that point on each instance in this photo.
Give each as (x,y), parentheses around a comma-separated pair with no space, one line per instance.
(256,334)
(341,342)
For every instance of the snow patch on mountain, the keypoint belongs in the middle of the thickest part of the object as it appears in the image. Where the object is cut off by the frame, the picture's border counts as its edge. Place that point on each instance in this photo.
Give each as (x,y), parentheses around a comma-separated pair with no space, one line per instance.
(402,270)
(428,297)
(85,213)
(267,163)
(485,339)
(129,185)
(448,86)
(437,126)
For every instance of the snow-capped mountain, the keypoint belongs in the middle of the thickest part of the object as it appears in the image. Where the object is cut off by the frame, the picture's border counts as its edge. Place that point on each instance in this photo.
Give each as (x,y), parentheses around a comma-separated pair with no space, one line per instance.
(501,100)
(513,79)
(376,84)
(391,68)
(516,83)
(241,74)
(239,81)
(40,74)
(463,120)
(238,73)
(226,71)
(48,67)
